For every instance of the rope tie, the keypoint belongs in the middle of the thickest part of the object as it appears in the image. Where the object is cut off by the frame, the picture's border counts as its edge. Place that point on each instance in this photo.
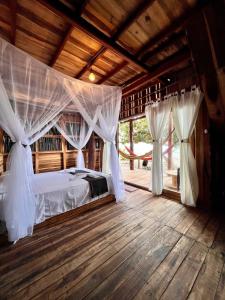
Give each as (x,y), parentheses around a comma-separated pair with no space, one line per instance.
(20,143)
(184,141)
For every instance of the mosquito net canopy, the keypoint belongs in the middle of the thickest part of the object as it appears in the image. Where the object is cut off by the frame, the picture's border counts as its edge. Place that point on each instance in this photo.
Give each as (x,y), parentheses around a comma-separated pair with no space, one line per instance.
(33,98)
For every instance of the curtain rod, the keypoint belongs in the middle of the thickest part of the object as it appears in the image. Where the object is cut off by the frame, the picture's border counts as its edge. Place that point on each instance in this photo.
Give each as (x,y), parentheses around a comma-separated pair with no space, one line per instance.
(193,78)
(150,102)
(157,92)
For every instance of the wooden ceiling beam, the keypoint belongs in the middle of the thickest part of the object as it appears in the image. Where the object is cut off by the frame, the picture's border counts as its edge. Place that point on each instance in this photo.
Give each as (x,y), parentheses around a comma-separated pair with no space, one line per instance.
(135,14)
(180,22)
(175,39)
(13,10)
(81,6)
(164,67)
(132,80)
(112,72)
(128,21)
(61,9)
(61,46)
(125,25)
(79,10)
(91,61)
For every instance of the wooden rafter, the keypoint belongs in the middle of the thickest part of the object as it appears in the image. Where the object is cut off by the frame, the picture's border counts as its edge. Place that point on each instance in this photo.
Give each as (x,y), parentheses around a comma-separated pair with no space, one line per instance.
(164,67)
(127,22)
(130,81)
(109,43)
(61,46)
(13,9)
(62,10)
(81,6)
(132,18)
(175,39)
(180,22)
(79,10)
(135,14)
(91,61)
(112,72)
(44,23)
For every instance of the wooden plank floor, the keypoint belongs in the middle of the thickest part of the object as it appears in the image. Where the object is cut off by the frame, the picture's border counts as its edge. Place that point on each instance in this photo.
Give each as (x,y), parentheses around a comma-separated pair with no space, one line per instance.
(143,248)
(142,177)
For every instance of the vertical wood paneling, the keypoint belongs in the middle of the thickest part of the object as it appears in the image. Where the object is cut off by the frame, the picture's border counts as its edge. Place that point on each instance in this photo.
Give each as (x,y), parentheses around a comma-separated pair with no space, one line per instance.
(45,161)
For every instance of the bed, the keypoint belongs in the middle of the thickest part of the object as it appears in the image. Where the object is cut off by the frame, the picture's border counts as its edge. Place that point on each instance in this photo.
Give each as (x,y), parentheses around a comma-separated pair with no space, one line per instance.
(62,191)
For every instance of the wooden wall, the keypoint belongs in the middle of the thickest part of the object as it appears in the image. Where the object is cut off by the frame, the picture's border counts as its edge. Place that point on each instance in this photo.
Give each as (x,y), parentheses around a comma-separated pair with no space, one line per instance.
(44,161)
(207,42)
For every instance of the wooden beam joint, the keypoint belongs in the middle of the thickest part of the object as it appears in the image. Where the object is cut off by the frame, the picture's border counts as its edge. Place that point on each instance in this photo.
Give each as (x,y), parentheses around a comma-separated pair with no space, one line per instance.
(13,9)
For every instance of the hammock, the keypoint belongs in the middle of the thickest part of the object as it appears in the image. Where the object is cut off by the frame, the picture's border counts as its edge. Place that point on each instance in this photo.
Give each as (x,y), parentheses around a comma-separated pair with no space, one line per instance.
(133,154)
(132,157)
(146,156)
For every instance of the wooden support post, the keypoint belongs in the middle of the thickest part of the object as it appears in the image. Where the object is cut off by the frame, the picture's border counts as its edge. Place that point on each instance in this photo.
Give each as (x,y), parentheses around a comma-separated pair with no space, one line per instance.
(13,9)
(131,143)
(91,152)
(202,156)
(207,42)
(203,39)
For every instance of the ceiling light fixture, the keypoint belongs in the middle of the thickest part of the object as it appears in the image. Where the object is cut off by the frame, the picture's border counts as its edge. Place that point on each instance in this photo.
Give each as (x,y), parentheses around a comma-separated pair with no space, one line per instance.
(91,76)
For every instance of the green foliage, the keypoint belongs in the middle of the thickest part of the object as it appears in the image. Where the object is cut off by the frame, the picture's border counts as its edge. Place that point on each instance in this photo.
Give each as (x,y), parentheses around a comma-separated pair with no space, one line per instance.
(140,132)
(124,133)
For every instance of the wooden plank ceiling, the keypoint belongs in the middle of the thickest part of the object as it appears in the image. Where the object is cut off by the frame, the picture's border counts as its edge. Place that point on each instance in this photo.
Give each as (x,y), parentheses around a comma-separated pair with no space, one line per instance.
(119,40)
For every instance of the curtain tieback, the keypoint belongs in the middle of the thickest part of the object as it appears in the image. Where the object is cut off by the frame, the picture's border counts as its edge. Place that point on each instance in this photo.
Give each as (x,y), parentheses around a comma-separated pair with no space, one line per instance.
(184,141)
(20,143)
(155,141)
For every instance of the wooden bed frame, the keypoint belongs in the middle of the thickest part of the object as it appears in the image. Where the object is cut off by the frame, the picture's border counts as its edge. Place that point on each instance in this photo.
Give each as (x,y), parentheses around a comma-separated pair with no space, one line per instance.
(70,214)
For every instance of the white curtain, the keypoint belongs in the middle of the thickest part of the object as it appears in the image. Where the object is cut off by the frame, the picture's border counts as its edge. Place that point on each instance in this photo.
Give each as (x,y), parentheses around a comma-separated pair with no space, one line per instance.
(106,128)
(185,112)
(77,132)
(29,100)
(107,100)
(106,157)
(157,116)
(32,96)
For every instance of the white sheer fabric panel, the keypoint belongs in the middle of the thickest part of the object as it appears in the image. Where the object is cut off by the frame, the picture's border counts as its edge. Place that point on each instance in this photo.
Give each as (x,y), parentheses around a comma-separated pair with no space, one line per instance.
(108,98)
(77,132)
(31,97)
(106,128)
(105,157)
(157,117)
(185,112)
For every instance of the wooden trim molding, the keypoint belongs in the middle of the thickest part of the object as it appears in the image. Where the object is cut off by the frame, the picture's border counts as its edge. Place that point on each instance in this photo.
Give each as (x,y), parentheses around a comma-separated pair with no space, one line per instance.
(75,212)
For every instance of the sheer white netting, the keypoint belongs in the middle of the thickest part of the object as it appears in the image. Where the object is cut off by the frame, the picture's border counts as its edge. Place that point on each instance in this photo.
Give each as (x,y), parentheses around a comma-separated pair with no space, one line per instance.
(185,113)
(76,131)
(32,98)
(104,101)
(157,117)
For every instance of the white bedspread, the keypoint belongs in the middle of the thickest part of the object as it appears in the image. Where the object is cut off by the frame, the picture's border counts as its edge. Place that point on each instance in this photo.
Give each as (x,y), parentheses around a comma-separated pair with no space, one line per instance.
(58,192)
